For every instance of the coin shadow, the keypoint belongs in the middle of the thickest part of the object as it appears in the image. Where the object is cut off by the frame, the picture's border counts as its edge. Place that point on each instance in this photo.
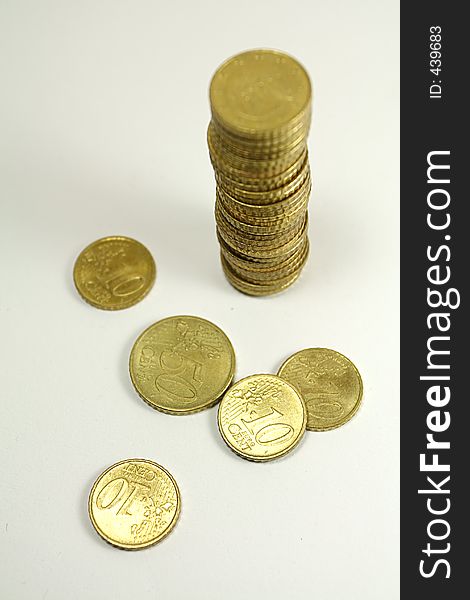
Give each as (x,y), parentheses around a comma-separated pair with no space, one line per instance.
(214,433)
(123,373)
(339,240)
(186,246)
(83,511)
(71,290)
(179,234)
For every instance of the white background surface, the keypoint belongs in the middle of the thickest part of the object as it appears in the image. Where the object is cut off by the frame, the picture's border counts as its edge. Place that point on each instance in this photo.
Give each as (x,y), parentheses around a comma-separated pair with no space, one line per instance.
(103,113)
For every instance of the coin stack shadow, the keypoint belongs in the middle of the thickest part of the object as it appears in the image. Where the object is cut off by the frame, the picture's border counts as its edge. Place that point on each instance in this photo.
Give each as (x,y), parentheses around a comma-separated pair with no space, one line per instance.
(262,176)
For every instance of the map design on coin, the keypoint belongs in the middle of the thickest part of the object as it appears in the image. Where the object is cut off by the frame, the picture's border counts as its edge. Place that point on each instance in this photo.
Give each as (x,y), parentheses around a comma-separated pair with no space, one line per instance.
(114,273)
(329,383)
(262,417)
(182,364)
(134,504)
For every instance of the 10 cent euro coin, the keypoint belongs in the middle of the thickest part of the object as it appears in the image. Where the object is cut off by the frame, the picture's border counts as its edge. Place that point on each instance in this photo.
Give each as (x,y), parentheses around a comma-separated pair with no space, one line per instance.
(114,273)
(262,417)
(134,504)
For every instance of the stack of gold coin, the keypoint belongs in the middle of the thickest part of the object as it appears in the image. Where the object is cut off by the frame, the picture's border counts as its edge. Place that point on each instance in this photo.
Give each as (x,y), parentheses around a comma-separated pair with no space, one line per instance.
(261,111)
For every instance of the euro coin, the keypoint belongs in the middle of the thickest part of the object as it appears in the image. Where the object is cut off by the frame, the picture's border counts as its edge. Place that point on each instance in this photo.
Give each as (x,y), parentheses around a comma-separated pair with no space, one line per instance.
(262,417)
(328,382)
(114,273)
(259,289)
(182,364)
(134,504)
(257,139)
(260,91)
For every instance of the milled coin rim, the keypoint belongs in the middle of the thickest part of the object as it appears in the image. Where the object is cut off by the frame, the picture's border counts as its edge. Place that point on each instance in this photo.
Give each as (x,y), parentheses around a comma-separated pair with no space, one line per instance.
(125,305)
(142,545)
(356,406)
(258,131)
(281,452)
(261,291)
(177,412)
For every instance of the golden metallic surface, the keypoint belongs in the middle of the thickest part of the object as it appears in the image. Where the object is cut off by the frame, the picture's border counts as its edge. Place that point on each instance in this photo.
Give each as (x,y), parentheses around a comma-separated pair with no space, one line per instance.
(270,227)
(261,237)
(249,261)
(251,249)
(267,269)
(257,139)
(256,92)
(258,289)
(182,364)
(329,383)
(271,234)
(264,216)
(262,417)
(278,221)
(249,163)
(264,199)
(114,272)
(134,504)
(255,273)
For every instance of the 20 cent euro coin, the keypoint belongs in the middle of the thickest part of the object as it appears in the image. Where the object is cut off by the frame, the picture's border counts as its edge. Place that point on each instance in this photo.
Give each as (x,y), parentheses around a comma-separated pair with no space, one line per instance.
(135,503)
(182,364)
(262,417)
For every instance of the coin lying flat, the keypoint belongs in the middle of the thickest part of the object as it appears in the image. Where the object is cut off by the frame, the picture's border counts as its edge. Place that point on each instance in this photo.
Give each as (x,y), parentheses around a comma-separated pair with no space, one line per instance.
(114,273)
(134,504)
(329,383)
(182,364)
(262,417)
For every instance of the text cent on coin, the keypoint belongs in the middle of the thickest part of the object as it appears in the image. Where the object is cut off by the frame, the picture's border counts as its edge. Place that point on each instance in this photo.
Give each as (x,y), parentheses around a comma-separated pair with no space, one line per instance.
(262,417)
(134,504)
(182,364)
(328,382)
(114,273)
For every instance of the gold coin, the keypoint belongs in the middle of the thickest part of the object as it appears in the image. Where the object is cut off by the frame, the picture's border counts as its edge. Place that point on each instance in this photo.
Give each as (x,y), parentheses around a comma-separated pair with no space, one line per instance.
(258,181)
(329,383)
(262,417)
(270,228)
(266,199)
(251,249)
(114,273)
(264,275)
(259,289)
(250,163)
(243,267)
(275,209)
(134,504)
(182,364)
(259,91)
(261,108)
(270,145)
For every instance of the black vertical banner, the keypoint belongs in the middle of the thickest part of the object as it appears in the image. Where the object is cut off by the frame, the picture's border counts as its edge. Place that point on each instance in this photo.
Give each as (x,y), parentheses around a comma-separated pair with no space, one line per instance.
(435,234)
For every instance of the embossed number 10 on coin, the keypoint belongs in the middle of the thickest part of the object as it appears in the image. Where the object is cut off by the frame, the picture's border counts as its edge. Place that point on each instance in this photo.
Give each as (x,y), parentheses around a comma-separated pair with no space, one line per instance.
(134,504)
(262,417)
(182,364)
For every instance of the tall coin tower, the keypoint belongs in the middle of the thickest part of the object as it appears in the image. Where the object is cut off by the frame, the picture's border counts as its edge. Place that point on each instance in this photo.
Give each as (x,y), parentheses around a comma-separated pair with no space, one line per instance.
(261,111)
